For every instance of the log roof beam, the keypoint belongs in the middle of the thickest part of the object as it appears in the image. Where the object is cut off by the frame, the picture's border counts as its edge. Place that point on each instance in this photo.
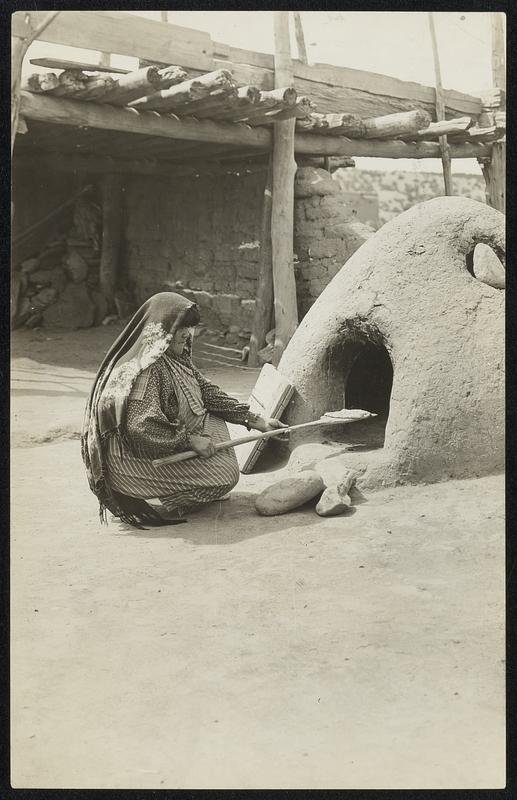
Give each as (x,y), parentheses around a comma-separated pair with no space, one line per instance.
(74,113)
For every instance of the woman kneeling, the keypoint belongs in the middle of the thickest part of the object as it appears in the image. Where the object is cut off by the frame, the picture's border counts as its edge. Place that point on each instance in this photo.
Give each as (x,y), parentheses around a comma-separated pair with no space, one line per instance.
(149,401)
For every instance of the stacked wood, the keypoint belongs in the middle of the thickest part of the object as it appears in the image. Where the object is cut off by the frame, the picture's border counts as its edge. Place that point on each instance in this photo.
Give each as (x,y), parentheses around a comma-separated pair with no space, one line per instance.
(276,98)
(447,127)
(204,106)
(42,82)
(395,125)
(491,133)
(246,97)
(170,76)
(186,92)
(333,124)
(133,85)
(299,110)
(104,88)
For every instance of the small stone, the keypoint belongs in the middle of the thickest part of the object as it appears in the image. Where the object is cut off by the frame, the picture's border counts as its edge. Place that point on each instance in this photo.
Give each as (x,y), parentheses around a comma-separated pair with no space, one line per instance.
(488,267)
(336,472)
(30,265)
(73,309)
(76,266)
(289,493)
(44,298)
(333,502)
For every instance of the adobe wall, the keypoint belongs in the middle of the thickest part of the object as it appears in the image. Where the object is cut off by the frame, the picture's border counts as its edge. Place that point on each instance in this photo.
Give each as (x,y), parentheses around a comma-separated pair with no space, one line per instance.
(205,233)
(196,235)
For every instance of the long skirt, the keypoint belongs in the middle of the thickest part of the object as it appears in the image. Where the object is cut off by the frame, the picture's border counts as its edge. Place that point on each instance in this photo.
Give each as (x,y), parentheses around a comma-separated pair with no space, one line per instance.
(182,486)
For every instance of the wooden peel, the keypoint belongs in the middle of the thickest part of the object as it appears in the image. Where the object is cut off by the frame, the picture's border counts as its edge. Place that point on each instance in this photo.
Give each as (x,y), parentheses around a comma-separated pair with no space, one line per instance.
(330,418)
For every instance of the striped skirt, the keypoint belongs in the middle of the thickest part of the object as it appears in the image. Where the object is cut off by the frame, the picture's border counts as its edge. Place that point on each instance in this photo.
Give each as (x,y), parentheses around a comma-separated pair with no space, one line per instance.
(182,486)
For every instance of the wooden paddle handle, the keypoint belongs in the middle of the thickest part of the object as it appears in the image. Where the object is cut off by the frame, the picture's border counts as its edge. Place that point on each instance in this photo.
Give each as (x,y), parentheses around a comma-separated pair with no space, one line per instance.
(254,437)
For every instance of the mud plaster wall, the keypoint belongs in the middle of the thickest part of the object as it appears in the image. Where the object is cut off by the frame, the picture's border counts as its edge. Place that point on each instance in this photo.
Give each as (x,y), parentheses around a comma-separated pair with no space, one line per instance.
(205,233)
(409,288)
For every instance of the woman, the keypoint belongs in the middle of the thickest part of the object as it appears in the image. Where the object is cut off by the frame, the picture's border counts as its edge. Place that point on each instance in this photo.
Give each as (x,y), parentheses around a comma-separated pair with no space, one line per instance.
(149,401)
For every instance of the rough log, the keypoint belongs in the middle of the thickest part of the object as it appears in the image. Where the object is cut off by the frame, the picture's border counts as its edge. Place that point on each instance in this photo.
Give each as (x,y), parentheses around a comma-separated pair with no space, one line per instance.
(130,87)
(41,82)
(333,124)
(185,92)
(246,97)
(313,144)
(96,87)
(283,97)
(393,125)
(300,110)
(70,81)
(494,173)
(444,128)
(282,216)
(300,38)
(112,223)
(321,162)
(440,110)
(129,120)
(263,313)
(170,76)
(494,168)
(226,95)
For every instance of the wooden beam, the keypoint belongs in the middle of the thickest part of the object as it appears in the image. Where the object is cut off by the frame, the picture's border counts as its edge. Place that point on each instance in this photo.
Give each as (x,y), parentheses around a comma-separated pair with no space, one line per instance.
(367,94)
(61,63)
(264,296)
(300,38)
(393,125)
(187,91)
(494,168)
(436,129)
(282,207)
(498,56)
(93,115)
(314,145)
(440,110)
(122,33)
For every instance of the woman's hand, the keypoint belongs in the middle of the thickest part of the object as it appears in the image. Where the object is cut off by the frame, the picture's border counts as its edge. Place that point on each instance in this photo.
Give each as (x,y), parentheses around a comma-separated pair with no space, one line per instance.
(265,425)
(202,445)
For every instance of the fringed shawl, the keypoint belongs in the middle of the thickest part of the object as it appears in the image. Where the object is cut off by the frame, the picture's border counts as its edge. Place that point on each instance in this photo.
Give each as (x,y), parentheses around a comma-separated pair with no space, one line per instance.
(145,338)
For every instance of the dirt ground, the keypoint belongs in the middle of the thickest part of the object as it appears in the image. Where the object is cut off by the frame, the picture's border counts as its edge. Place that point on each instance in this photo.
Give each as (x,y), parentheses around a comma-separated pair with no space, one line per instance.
(364,651)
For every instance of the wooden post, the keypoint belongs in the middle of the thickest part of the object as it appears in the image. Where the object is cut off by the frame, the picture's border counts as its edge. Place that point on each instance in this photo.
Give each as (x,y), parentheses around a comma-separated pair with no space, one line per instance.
(282,218)
(264,299)
(494,167)
(300,38)
(111,186)
(18,50)
(498,57)
(440,110)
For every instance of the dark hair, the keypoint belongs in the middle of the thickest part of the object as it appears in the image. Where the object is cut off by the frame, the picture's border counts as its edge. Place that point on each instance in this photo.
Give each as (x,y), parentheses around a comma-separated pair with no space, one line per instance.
(190,317)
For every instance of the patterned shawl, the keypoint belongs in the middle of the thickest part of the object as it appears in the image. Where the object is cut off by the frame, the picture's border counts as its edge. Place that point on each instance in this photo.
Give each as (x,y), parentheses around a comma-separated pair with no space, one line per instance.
(145,338)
